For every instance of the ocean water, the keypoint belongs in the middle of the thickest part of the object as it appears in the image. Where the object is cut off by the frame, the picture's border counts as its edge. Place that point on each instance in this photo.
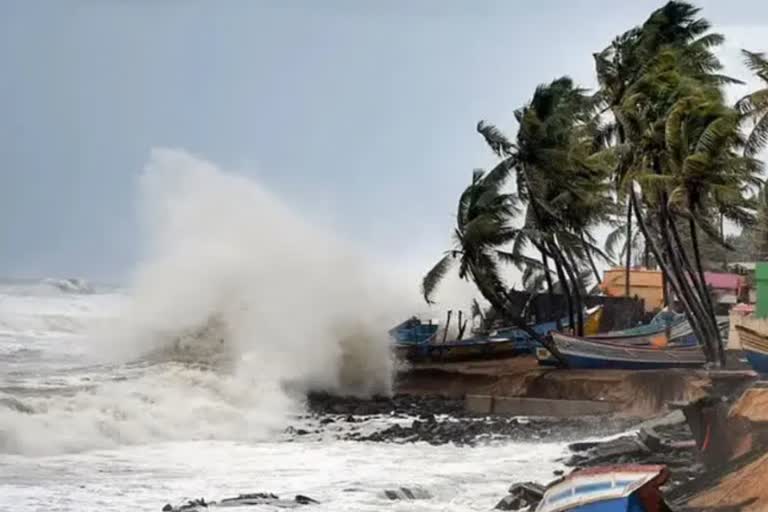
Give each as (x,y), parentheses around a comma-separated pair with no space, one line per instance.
(79,434)
(182,383)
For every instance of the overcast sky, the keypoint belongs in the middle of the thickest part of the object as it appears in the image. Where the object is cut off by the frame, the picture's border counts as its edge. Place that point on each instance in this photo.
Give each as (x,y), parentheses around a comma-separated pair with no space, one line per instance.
(360,112)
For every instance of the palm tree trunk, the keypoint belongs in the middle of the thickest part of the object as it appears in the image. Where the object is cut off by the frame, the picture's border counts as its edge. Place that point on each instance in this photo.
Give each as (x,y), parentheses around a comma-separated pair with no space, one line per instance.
(679,263)
(547,277)
(565,289)
(501,304)
(590,258)
(707,296)
(629,250)
(572,269)
(700,286)
(573,293)
(666,269)
(550,288)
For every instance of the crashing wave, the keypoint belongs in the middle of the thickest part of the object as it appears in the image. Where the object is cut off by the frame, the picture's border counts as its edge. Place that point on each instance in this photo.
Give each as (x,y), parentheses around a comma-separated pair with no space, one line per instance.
(239,305)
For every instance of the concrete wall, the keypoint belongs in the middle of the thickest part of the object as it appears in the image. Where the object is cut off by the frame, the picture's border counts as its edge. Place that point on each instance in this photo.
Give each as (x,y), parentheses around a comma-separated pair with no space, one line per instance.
(522,406)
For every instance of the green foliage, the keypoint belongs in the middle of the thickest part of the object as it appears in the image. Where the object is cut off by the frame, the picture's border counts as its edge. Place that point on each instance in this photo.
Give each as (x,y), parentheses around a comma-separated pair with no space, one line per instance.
(660,121)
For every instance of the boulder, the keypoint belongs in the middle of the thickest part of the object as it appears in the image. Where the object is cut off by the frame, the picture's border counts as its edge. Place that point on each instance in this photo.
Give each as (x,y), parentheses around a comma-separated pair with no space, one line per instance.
(407,493)
(522,496)
(242,500)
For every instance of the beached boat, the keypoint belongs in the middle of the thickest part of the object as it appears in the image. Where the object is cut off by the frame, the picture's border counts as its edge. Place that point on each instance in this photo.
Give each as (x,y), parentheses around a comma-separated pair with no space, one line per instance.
(592,318)
(680,335)
(500,343)
(413,331)
(755,346)
(657,325)
(591,353)
(623,488)
(483,347)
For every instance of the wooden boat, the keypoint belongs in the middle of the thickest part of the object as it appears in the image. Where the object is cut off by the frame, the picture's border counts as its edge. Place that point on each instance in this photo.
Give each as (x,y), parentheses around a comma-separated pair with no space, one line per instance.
(592,317)
(413,331)
(501,343)
(591,353)
(657,325)
(468,349)
(622,488)
(681,335)
(755,346)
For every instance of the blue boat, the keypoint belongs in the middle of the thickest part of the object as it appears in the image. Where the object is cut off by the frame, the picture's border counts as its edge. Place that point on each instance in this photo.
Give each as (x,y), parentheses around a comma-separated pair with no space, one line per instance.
(755,346)
(658,324)
(586,353)
(413,331)
(622,488)
(478,347)
(417,341)
(681,335)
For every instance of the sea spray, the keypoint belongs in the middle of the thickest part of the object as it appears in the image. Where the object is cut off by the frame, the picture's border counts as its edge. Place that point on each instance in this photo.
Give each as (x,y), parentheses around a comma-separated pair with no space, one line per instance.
(239,305)
(284,298)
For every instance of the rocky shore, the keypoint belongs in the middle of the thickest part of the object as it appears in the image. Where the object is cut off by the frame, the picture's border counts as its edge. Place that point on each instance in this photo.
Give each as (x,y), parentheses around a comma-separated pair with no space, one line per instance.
(594,441)
(439,420)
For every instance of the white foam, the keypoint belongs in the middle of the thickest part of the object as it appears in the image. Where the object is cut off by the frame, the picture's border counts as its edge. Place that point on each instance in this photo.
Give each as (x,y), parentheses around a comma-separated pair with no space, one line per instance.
(230,275)
(342,475)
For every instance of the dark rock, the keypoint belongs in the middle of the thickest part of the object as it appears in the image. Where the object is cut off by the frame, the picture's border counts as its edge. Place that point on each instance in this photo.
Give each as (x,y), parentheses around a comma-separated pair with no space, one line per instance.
(650,439)
(522,496)
(301,432)
(304,500)
(189,506)
(256,498)
(510,502)
(326,421)
(582,446)
(617,451)
(391,495)
(558,472)
(407,493)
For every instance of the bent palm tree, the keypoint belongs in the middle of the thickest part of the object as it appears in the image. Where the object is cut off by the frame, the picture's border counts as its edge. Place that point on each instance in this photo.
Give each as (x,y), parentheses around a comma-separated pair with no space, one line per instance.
(482,230)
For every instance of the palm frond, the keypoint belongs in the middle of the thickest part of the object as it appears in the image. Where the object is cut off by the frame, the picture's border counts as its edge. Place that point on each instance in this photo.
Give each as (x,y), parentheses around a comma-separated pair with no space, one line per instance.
(497,141)
(758,137)
(435,276)
(613,239)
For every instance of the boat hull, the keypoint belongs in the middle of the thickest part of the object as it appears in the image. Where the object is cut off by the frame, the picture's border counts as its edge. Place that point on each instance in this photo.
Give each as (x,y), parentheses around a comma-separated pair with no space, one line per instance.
(462,351)
(591,354)
(622,488)
(508,342)
(681,336)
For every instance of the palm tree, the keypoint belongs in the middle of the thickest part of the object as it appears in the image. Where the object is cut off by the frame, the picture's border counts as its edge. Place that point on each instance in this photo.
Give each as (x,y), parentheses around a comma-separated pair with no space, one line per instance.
(651,80)
(562,181)
(623,63)
(709,173)
(482,230)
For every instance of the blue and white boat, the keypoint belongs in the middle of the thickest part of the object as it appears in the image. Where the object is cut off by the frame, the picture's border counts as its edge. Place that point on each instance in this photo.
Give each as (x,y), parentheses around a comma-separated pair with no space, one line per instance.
(413,331)
(598,351)
(623,488)
(586,353)
(755,346)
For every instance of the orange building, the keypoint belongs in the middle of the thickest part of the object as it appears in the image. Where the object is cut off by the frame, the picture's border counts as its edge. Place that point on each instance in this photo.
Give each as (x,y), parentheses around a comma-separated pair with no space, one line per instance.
(643,283)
